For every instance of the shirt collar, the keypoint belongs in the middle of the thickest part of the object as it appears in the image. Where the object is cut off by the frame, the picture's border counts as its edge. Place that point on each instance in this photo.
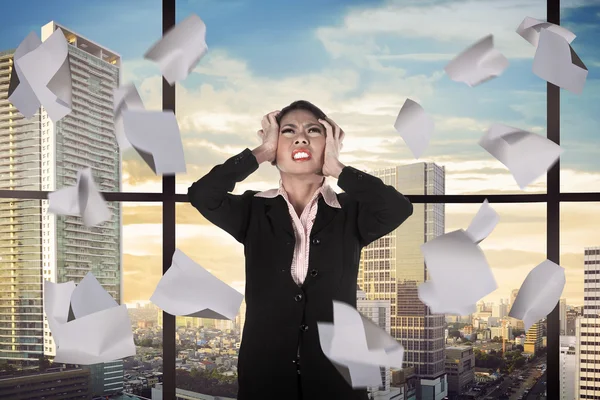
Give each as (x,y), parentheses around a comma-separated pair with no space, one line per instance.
(325,190)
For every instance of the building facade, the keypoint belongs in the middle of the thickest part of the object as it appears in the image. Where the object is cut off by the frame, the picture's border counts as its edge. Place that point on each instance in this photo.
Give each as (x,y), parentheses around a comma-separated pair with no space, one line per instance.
(392,268)
(563,316)
(568,365)
(36,245)
(587,330)
(378,311)
(533,339)
(460,361)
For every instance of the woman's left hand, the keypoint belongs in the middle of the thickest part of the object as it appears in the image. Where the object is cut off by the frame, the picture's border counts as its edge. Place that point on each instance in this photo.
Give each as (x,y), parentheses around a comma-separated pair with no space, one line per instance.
(333,144)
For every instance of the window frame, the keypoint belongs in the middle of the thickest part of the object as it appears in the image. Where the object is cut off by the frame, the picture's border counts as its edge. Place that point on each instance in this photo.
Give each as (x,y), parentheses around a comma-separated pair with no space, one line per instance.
(552,198)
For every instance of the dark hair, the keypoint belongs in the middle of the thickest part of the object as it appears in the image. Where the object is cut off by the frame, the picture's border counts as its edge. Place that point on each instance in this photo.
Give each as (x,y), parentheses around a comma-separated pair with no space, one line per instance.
(301,105)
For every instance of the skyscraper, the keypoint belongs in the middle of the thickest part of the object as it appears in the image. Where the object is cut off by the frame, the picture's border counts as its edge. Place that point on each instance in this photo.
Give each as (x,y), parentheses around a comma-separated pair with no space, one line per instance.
(21,333)
(568,365)
(563,316)
(41,154)
(392,268)
(587,332)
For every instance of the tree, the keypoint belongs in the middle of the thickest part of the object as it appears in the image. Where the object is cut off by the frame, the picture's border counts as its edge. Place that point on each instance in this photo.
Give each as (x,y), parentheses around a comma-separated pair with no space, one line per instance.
(44,363)
(454,334)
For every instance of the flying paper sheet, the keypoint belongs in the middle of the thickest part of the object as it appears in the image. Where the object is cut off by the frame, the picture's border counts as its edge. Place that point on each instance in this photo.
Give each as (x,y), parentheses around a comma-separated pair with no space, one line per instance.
(556,62)
(357,347)
(90,297)
(83,200)
(527,155)
(155,136)
(102,335)
(125,97)
(484,223)
(20,93)
(539,293)
(458,254)
(180,49)
(57,298)
(530,30)
(44,71)
(450,256)
(415,127)
(477,64)
(188,289)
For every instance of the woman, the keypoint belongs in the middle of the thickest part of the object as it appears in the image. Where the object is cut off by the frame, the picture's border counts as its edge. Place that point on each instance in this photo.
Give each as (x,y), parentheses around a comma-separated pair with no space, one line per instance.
(302,245)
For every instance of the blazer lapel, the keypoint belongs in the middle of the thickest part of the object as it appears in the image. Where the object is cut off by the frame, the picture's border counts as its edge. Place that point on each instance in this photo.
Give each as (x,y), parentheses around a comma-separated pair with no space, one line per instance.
(279,215)
(325,215)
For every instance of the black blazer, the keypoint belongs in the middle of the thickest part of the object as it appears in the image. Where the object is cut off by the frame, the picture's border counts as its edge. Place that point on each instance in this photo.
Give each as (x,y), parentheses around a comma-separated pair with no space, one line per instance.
(281,317)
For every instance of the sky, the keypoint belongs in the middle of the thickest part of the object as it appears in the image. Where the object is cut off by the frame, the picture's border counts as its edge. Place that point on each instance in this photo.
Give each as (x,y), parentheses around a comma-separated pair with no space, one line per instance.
(359,61)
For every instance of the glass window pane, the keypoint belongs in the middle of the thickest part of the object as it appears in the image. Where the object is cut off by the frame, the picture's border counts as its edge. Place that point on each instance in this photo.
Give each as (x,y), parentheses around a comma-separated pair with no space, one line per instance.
(106,44)
(580,256)
(579,119)
(49,153)
(359,65)
(516,246)
(142,270)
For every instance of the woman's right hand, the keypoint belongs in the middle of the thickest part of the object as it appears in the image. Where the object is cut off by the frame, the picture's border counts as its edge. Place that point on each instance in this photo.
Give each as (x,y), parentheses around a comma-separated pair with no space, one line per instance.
(269,134)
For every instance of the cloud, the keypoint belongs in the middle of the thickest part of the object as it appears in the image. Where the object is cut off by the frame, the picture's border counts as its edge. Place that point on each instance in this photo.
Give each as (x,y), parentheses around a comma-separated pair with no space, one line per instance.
(395,27)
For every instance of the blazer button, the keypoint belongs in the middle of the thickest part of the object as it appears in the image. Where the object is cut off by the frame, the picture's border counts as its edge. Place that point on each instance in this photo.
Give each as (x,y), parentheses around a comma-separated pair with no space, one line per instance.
(298,297)
(236,160)
(303,327)
(314,273)
(316,241)
(359,176)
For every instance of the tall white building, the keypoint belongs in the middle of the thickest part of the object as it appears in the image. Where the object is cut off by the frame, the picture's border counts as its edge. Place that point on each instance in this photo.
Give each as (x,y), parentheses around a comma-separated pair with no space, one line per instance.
(587,329)
(39,154)
(499,310)
(568,366)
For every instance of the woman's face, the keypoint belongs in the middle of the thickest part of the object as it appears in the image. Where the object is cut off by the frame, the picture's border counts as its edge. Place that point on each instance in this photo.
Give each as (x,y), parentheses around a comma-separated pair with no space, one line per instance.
(301,145)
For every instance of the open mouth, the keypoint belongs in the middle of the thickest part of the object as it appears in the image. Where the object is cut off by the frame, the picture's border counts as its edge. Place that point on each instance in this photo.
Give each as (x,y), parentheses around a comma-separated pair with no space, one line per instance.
(301,155)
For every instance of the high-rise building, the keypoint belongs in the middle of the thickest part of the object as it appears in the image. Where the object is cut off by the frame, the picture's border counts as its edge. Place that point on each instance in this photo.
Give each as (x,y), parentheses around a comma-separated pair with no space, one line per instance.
(587,332)
(392,268)
(41,154)
(21,308)
(499,310)
(533,339)
(571,321)
(568,365)
(378,311)
(563,316)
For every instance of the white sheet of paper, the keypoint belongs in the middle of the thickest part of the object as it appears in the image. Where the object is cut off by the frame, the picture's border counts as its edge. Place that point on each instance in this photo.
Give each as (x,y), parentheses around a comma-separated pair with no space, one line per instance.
(48,72)
(415,127)
(438,305)
(180,49)
(539,293)
(556,62)
(96,338)
(358,347)
(57,299)
(89,297)
(190,290)
(530,30)
(477,64)
(155,136)
(484,223)
(83,200)
(101,335)
(448,256)
(22,95)
(527,155)
(125,97)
